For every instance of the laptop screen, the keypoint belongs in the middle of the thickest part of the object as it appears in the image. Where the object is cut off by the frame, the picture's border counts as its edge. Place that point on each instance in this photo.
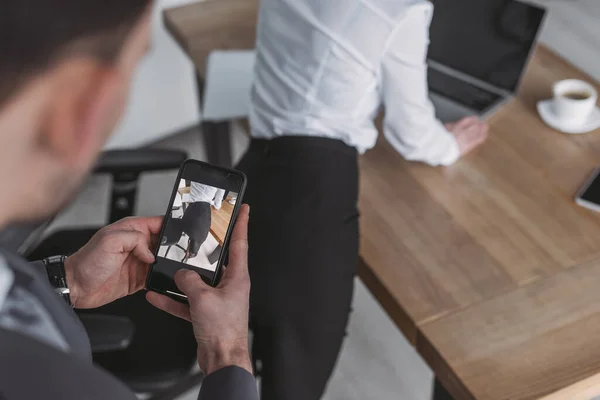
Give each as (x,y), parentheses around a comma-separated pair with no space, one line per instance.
(487,39)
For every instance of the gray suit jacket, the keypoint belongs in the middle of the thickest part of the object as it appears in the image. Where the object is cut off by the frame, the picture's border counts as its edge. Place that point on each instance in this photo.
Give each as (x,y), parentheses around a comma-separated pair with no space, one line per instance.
(32,369)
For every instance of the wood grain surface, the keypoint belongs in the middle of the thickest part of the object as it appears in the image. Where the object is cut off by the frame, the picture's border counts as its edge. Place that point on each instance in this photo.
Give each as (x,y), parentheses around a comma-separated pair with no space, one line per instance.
(582,390)
(494,267)
(530,342)
(203,27)
(220,221)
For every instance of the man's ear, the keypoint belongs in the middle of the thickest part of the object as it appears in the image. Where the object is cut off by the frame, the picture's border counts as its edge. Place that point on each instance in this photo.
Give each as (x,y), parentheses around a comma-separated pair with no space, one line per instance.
(82,107)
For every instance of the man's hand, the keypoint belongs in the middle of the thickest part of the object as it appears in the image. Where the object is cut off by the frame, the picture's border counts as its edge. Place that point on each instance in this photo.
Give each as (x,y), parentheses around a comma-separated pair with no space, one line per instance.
(469,132)
(114,263)
(219,315)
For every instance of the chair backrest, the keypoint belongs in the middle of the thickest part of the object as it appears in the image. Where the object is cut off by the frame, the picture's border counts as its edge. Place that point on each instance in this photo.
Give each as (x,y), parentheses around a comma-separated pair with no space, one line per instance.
(125,166)
(203,27)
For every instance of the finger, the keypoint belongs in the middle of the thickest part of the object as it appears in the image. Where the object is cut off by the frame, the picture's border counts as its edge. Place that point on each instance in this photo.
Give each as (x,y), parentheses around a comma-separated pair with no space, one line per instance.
(190,283)
(134,242)
(473,131)
(483,135)
(471,119)
(169,305)
(151,225)
(238,247)
(139,278)
(154,241)
(486,128)
(474,135)
(466,122)
(479,132)
(154,224)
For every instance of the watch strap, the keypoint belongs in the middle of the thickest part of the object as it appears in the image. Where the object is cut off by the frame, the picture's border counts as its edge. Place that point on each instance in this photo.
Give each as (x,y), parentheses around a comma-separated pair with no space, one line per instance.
(55,268)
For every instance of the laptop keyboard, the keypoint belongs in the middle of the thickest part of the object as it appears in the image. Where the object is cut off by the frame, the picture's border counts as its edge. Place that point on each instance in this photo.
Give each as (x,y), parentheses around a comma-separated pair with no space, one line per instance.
(460,91)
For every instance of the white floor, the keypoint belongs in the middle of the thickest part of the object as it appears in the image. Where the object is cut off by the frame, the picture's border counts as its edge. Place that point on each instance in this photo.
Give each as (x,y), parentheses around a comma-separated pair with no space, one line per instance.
(376,362)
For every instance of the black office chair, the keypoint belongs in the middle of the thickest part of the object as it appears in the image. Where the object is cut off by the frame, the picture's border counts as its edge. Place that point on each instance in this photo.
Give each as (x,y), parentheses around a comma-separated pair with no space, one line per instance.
(151,351)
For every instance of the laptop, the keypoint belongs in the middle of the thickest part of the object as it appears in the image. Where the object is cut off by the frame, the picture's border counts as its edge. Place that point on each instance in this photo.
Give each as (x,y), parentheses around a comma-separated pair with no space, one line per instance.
(479,53)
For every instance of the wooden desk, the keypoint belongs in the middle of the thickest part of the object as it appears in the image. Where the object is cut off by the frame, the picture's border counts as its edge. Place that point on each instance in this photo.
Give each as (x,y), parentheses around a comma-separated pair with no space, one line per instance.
(488,266)
(209,25)
(220,221)
(201,28)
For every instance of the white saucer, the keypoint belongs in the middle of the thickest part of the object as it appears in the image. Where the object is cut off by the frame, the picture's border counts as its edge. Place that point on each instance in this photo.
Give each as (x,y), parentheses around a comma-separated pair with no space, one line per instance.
(546,110)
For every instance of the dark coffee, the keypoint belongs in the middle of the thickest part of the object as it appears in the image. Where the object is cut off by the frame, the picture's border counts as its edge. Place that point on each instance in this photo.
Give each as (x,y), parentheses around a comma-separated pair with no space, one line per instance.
(577,95)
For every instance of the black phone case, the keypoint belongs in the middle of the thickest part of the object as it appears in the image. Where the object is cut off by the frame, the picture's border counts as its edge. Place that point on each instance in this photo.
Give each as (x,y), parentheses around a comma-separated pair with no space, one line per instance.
(224,255)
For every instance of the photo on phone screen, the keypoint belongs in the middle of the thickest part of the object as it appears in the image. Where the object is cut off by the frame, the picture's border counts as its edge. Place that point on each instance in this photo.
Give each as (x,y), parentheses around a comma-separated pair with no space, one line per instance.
(195,234)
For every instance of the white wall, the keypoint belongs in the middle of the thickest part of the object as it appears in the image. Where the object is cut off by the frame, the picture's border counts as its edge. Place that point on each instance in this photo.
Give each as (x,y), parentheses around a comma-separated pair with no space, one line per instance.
(572,30)
(163,97)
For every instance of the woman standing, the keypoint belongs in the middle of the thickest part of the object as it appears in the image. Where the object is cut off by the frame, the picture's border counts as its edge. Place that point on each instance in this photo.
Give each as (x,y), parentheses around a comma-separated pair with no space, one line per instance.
(196,219)
(324,69)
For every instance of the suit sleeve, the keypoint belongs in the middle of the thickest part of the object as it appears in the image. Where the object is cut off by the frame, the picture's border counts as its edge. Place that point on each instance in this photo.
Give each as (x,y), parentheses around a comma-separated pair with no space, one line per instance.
(33,370)
(231,383)
(219,198)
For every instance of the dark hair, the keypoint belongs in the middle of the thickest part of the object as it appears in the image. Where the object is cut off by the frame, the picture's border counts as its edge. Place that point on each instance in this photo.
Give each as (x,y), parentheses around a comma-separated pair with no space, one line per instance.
(34,34)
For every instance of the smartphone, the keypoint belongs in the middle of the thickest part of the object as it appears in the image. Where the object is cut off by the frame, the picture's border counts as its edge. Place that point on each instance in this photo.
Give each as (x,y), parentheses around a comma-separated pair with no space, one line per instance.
(204,206)
(589,195)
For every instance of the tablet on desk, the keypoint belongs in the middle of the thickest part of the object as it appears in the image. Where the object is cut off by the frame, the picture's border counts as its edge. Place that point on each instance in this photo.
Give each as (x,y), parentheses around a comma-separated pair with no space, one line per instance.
(589,195)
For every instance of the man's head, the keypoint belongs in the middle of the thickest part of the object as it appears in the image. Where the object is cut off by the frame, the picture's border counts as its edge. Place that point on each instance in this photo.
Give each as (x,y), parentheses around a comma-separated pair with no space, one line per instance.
(65,71)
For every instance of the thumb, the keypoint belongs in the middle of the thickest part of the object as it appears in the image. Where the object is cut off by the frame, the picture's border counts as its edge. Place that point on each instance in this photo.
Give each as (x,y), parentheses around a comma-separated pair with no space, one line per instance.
(136,242)
(190,283)
(238,248)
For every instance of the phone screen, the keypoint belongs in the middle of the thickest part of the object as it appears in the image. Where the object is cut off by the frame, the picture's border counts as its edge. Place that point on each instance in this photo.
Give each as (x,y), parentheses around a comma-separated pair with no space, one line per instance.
(204,204)
(592,193)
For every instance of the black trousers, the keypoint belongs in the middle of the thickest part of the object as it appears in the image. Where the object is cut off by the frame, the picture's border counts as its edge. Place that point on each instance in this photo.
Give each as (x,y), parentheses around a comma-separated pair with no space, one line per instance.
(196,224)
(303,257)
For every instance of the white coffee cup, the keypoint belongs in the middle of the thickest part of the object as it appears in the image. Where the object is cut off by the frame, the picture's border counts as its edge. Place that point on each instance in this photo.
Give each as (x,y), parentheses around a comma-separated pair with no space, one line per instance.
(574,100)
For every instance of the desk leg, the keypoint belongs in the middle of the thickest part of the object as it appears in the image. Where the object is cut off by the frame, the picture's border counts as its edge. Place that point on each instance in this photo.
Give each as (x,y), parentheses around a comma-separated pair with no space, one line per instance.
(440,393)
(217,135)
(217,140)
